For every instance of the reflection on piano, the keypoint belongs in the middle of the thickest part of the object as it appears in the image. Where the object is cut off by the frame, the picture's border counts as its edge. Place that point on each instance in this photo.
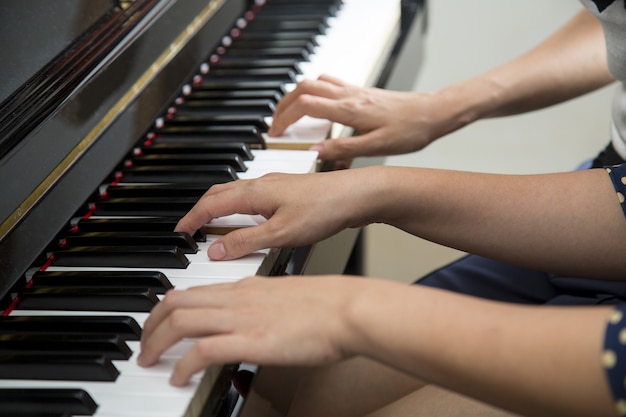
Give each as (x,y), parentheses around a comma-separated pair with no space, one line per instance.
(115,117)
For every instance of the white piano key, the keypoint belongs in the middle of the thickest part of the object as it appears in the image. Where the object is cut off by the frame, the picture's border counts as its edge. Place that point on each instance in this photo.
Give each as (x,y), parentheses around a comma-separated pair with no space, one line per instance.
(354,49)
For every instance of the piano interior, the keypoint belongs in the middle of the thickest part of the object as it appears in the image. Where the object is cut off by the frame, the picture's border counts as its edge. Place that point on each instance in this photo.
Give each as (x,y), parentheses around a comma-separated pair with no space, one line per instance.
(115,116)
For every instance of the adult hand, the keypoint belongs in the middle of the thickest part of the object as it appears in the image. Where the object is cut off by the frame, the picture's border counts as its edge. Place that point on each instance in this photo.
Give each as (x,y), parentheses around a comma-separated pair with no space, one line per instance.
(300,209)
(387,122)
(269,321)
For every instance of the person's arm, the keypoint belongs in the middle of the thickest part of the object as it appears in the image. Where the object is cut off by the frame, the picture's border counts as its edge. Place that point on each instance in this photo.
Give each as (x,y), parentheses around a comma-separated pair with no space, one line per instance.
(568,64)
(539,361)
(570,223)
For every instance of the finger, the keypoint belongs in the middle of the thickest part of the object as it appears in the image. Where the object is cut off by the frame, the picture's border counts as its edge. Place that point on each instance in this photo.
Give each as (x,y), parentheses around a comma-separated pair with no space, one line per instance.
(195,297)
(216,202)
(214,350)
(302,101)
(246,240)
(333,80)
(178,325)
(346,147)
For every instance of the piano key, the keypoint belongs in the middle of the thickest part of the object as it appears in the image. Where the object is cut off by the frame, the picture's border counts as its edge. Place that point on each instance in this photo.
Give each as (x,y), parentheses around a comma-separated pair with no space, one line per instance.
(200,266)
(297,13)
(133,224)
(310,35)
(241,149)
(144,206)
(181,159)
(307,44)
(57,367)
(249,134)
(185,118)
(46,401)
(286,26)
(111,346)
(87,299)
(179,173)
(154,280)
(276,53)
(270,94)
(178,239)
(132,396)
(262,107)
(129,256)
(208,84)
(157,190)
(283,74)
(124,326)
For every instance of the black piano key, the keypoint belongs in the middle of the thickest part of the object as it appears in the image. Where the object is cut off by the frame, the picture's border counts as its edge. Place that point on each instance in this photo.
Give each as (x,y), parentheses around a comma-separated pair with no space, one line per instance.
(58,367)
(273,95)
(157,190)
(280,53)
(273,43)
(309,35)
(23,402)
(141,224)
(249,135)
(233,160)
(124,326)
(122,256)
(262,107)
(216,85)
(138,300)
(182,118)
(280,25)
(238,148)
(286,75)
(295,14)
(179,173)
(155,280)
(178,239)
(144,206)
(311,8)
(111,346)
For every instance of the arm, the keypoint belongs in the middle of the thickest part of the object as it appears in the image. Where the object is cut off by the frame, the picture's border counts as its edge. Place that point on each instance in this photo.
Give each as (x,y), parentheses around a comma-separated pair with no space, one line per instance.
(526,359)
(568,64)
(569,223)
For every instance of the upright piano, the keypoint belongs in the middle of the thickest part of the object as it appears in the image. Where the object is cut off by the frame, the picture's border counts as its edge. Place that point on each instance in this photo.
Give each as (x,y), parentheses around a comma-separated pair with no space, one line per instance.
(115,116)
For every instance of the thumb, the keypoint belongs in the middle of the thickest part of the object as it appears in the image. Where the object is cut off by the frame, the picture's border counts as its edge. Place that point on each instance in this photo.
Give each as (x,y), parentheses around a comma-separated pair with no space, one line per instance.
(347,147)
(238,243)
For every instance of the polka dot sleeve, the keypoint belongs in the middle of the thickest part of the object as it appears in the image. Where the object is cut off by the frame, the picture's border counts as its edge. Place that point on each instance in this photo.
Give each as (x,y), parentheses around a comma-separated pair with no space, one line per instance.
(618,176)
(614,357)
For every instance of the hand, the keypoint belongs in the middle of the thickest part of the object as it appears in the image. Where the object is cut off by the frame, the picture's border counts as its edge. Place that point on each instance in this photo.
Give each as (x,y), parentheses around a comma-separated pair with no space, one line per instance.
(300,209)
(389,122)
(266,321)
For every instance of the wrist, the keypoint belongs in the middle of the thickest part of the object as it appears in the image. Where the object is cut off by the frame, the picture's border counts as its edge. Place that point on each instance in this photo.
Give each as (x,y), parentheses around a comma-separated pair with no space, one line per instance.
(469,101)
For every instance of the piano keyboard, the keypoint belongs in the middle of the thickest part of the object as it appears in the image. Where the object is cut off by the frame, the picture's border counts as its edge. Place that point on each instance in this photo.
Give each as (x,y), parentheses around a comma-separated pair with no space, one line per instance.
(119,255)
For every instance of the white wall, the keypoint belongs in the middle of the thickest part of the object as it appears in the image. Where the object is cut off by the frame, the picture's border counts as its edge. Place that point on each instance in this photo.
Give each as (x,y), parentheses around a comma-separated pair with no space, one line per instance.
(465,38)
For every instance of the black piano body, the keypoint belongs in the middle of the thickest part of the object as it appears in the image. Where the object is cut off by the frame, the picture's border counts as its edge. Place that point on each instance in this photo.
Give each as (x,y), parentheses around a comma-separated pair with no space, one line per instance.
(83,81)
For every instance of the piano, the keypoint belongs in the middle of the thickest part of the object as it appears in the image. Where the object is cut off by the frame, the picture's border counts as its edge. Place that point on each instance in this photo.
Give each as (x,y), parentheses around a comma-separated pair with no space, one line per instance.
(115,115)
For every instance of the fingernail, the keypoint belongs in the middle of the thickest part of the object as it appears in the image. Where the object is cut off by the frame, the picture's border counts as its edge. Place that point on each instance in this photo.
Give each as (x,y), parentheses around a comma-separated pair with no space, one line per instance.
(217,251)
(141,360)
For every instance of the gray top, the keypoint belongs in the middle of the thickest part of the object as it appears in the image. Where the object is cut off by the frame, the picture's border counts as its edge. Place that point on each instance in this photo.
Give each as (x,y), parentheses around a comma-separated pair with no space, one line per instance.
(613,20)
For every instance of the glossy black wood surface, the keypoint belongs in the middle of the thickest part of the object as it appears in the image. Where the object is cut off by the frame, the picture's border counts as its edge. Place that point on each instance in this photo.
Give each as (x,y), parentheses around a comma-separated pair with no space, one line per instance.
(45,147)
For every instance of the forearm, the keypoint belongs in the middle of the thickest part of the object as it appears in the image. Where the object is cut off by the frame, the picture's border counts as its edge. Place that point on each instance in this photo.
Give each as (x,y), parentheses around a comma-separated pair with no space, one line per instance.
(577,228)
(568,64)
(536,361)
